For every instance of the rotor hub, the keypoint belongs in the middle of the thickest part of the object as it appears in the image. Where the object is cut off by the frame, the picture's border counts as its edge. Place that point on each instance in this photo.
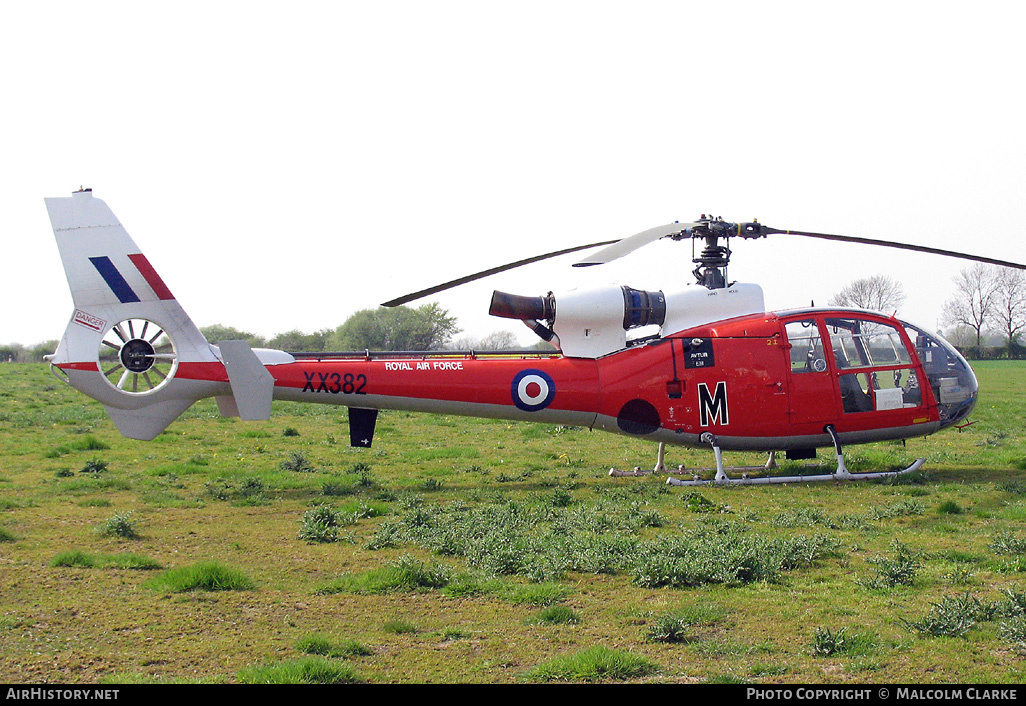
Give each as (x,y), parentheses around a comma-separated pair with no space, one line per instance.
(714,258)
(137,357)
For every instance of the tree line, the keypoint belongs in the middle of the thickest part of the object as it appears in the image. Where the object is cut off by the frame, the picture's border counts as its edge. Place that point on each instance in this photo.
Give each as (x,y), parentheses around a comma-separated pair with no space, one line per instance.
(989,303)
(425,328)
(984,318)
(401,328)
(17,353)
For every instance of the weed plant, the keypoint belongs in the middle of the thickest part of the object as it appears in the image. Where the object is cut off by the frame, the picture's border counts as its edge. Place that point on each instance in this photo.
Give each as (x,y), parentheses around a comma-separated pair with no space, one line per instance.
(94,466)
(671,627)
(899,570)
(544,543)
(954,616)
(731,557)
(1013,631)
(405,574)
(323,524)
(297,463)
(1008,543)
(828,643)
(248,491)
(120,525)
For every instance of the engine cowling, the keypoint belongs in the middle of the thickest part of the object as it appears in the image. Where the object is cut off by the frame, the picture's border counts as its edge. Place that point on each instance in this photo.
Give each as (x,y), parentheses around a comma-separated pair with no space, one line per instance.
(595,322)
(589,323)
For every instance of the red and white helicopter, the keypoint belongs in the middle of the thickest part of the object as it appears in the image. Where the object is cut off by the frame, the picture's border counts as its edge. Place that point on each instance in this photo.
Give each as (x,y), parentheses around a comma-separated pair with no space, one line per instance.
(720,372)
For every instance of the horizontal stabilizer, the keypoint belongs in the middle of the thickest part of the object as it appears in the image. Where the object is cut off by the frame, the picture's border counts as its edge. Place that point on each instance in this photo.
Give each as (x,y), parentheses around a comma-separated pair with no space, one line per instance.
(252,385)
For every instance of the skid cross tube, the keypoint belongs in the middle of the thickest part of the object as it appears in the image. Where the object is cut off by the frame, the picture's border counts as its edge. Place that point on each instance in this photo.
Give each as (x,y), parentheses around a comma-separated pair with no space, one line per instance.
(841,473)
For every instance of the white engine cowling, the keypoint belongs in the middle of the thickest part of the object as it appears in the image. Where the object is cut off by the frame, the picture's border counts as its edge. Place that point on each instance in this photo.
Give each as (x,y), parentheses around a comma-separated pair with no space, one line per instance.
(595,322)
(589,323)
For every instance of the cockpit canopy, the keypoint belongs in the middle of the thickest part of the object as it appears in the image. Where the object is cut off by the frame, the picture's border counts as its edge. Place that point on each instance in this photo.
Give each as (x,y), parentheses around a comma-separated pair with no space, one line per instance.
(876,367)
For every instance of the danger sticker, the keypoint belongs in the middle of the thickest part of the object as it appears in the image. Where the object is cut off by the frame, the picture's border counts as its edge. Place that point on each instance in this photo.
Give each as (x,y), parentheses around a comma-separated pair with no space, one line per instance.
(89,321)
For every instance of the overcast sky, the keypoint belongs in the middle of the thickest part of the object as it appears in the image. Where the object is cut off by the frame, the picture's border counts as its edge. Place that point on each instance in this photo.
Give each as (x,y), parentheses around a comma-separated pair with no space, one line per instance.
(284,165)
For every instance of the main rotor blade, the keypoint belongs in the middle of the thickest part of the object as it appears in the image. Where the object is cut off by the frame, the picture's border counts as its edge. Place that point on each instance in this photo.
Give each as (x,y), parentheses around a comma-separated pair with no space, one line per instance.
(632,243)
(486,273)
(900,246)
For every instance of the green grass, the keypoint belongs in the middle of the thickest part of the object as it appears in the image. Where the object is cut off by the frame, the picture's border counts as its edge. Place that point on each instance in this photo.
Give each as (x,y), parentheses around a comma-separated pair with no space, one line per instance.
(86,443)
(306,670)
(593,664)
(89,560)
(318,644)
(465,549)
(202,576)
(556,615)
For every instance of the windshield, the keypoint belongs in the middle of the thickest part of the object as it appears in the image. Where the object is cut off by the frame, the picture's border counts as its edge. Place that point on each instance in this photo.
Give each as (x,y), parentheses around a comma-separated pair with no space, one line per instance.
(952,380)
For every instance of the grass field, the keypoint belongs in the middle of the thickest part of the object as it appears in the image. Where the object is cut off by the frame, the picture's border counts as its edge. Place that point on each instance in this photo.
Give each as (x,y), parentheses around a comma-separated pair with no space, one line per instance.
(463,550)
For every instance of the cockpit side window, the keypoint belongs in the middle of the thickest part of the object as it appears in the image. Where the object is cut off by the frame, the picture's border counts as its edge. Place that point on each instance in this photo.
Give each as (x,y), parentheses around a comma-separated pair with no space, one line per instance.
(807,353)
(885,378)
(859,343)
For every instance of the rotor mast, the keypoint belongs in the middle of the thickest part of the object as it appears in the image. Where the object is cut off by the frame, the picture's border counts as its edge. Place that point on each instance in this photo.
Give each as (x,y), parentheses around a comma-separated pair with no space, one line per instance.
(714,258)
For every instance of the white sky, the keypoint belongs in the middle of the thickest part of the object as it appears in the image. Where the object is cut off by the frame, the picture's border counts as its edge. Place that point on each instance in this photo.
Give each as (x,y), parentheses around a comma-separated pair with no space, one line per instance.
(284,165)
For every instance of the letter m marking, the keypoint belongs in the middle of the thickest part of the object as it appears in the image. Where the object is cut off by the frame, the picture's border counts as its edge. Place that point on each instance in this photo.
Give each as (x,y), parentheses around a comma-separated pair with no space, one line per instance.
(712,407)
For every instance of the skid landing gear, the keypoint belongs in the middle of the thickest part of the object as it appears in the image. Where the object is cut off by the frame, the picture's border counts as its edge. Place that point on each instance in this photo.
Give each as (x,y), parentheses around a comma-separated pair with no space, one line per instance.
(660,466)
(721,477)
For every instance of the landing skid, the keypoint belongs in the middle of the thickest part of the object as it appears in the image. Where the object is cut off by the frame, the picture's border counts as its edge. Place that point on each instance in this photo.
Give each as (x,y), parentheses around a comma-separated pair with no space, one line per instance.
(660,466)
(721,478)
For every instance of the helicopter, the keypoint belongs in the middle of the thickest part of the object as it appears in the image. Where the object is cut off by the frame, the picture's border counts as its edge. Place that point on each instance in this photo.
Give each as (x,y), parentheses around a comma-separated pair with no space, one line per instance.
(719,372)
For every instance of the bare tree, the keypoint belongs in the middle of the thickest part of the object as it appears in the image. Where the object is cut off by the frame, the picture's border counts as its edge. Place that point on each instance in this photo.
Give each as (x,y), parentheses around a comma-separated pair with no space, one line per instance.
(1010,304)
(878,293)
(975,302)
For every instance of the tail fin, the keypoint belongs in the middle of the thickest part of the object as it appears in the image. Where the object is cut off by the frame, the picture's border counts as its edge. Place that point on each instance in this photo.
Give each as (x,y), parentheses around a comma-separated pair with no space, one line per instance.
(129,343)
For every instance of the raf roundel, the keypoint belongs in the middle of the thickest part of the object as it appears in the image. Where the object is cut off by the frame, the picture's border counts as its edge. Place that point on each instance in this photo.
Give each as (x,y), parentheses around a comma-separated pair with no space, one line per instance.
(533,390)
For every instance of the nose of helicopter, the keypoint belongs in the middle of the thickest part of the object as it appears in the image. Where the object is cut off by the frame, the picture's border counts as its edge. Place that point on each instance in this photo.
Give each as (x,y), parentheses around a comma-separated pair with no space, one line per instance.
(948,373)
(956,396)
